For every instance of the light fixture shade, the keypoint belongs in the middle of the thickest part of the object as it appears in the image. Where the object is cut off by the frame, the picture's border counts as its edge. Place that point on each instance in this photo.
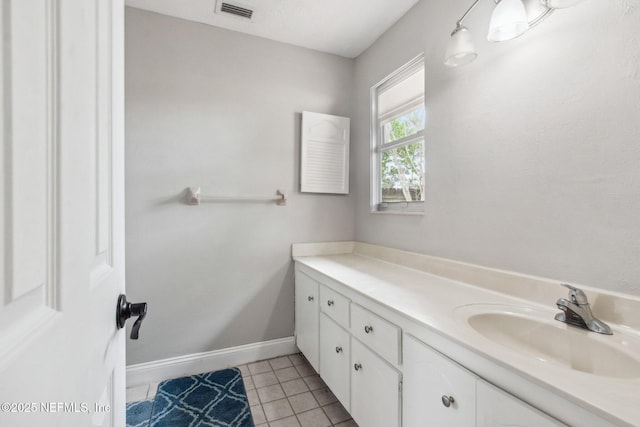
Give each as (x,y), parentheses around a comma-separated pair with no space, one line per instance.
(560,4)
(508,21)
(537,11)
(461,49)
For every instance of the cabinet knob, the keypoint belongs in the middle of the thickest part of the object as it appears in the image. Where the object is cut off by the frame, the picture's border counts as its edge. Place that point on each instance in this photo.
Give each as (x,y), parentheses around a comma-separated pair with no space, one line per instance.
(368,329)
(357,366)
(447,400)
(330,303)
(338,349)
(310,298)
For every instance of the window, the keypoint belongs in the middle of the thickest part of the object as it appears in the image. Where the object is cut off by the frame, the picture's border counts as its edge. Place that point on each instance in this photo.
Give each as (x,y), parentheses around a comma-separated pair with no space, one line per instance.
(397,132)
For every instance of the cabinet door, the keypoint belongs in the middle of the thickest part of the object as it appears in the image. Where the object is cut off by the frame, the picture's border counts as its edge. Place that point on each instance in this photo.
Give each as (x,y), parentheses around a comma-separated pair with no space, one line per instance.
(496,408)
(307,332)
(375,389)
(335,347)
(437,391)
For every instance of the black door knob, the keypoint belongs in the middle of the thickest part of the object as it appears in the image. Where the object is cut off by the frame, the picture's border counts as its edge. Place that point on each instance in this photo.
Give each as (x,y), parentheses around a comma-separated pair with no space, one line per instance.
(125,310)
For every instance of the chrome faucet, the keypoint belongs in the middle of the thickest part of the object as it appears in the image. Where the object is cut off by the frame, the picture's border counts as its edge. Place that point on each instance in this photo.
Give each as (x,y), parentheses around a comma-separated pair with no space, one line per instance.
(577,311)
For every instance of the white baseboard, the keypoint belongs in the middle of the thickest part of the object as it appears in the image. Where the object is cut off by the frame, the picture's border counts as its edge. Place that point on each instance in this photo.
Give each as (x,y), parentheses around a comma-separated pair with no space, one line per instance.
(160,370)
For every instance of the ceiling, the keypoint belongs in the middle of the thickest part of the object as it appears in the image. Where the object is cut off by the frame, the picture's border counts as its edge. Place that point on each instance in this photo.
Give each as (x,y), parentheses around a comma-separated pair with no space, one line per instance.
(341,27)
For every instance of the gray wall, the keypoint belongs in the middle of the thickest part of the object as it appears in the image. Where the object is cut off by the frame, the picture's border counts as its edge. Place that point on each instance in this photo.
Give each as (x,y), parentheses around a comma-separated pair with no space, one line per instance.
(533,151)
(213,108)
(532,161)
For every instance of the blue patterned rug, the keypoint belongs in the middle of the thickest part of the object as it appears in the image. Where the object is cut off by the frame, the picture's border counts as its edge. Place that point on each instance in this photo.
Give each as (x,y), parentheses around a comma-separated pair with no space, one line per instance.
(139,413)
(214,399)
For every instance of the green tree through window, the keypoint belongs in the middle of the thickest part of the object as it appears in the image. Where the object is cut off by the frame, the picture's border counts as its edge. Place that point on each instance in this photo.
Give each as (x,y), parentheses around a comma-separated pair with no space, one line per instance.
(402,168)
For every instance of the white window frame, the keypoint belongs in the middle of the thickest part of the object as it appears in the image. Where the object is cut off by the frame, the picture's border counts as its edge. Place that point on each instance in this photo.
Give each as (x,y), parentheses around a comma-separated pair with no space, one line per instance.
(377,136)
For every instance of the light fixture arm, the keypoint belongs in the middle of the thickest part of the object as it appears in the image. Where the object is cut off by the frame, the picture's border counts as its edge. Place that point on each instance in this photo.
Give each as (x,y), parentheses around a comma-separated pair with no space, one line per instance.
(532,23)
(510,19)
(459,22)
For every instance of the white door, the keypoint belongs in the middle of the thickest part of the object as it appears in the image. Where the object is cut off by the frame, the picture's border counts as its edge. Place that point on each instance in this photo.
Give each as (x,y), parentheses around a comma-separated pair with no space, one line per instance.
(61,213)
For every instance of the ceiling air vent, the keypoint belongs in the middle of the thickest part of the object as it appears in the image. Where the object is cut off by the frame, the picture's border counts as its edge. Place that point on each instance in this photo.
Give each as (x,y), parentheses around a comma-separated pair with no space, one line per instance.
(236,10)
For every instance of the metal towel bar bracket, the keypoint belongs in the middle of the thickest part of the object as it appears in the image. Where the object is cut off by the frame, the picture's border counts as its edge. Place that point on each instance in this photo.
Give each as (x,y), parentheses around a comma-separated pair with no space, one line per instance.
(194,197)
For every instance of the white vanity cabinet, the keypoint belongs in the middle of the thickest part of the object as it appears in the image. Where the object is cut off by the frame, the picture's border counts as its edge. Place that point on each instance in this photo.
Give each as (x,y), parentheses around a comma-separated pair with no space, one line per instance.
(306,320)
(437,391)
(496,408)
(362,376)
(386,377)
(375,389)
(335,359)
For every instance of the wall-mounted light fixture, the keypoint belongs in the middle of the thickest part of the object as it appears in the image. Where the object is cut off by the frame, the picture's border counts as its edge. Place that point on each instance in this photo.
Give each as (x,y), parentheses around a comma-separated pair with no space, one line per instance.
(510,19)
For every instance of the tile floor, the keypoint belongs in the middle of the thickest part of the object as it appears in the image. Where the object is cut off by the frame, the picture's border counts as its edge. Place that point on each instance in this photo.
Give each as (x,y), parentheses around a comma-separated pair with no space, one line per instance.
(283,392)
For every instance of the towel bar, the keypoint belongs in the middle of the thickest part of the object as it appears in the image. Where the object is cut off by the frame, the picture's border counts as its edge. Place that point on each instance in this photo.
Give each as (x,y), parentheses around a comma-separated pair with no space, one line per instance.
(194,197)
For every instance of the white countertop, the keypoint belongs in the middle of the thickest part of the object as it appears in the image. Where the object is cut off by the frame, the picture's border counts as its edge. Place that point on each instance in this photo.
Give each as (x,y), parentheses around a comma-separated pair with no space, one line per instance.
(433,301)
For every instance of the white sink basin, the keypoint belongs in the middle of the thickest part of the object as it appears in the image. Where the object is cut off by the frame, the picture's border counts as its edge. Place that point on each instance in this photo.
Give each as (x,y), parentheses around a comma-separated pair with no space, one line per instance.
(532,332)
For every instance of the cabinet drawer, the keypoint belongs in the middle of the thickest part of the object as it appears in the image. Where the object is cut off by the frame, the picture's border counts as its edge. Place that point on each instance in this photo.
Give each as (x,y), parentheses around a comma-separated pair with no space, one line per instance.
(379,334)
(335,306)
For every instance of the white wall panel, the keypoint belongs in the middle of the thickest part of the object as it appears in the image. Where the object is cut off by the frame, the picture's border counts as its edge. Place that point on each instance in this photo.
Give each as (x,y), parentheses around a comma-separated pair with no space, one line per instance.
(324,163)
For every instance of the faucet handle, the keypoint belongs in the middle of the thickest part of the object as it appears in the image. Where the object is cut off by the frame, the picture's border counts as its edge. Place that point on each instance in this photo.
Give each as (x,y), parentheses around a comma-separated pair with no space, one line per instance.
(577,295)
